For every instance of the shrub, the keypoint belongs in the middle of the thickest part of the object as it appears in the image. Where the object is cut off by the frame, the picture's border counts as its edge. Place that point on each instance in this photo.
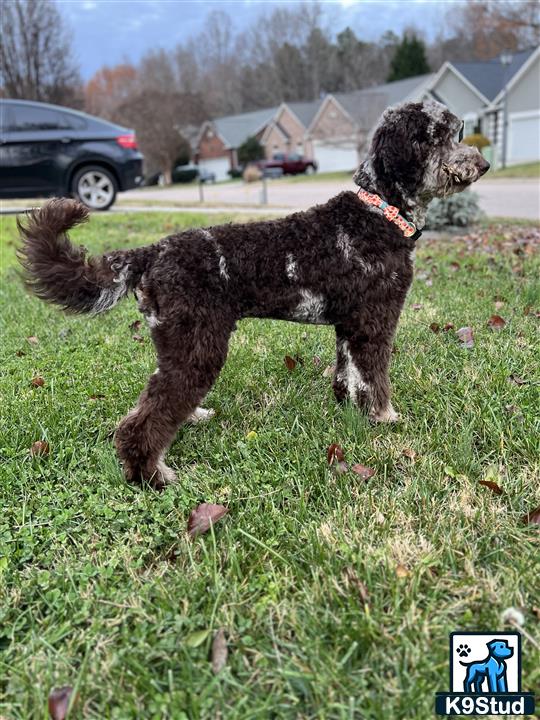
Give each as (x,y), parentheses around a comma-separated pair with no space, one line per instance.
(250,150)
(458,210)
(235,172)
(477,140)
(252,174)
(181,175)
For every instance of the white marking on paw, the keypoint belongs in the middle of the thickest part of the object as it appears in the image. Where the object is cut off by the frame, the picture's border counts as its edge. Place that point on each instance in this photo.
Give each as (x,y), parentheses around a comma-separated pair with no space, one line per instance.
(167,474)
(200,415)
(310,308)
(355,382)
(388,415)
(291,267)
(344,243)
(108,297)
(153,320)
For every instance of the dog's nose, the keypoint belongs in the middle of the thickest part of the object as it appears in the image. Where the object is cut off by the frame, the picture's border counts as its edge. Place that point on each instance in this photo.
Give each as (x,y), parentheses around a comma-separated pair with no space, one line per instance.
(484,166)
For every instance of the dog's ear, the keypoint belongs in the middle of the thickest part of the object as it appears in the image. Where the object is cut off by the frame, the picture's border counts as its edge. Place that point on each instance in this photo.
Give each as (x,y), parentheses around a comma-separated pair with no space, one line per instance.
(400,147)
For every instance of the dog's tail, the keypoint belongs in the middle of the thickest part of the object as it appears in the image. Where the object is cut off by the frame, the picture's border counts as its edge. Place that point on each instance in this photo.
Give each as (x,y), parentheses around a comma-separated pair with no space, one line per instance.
(60,273)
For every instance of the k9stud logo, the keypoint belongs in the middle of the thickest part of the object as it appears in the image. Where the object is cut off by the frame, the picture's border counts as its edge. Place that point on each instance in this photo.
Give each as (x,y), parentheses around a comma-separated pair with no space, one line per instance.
(485,676)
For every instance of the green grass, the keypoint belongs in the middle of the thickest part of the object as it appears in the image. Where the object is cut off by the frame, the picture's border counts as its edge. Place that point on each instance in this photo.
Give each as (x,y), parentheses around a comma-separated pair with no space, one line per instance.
(527,170)
(101,589)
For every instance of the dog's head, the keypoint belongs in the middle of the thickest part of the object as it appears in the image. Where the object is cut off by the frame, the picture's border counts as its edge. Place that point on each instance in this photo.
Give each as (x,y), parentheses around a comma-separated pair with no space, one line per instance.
(499,649)
(415,154)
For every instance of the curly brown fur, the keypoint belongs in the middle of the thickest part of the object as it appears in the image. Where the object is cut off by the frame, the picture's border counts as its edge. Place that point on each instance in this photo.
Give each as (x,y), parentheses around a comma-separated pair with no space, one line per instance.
(342,263)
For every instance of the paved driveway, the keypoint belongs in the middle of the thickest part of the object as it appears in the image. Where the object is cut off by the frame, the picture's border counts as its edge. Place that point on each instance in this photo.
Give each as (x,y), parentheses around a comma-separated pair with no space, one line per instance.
(508,198)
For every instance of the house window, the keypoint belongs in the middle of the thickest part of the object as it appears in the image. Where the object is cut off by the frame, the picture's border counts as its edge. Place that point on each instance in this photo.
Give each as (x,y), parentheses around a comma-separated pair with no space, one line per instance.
(471,124)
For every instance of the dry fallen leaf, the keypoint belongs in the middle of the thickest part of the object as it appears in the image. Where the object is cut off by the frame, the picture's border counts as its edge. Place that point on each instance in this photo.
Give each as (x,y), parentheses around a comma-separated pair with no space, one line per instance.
(59,702)
(290,362)
(316,360)
(496,322)
(492,486)
(135,325)
(220,651)
(203,516)
(40,447)
(20,353)
(32,340)
(499,304)
(517,380)
(448,326)
(97,396)
(536,612)
(532,517)
(408,452)
(341,468)
(417,306)
(37,381)
(138,338)
(364,472)
(351,578)
(402,572)
(465,335)
(329,370)
(435,327)
(335,452)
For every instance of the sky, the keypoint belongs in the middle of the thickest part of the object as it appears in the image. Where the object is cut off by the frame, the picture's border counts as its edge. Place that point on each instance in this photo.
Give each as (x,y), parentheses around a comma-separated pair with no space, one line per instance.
(107,32)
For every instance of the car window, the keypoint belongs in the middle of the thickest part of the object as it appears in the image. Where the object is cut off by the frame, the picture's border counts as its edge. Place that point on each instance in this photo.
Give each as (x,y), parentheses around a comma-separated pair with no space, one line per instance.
(26,118)
(294,157)
(75,122)
(278,156)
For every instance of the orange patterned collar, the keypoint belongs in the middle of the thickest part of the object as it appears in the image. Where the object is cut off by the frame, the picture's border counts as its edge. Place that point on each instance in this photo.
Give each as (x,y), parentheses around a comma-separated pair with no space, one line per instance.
(391,213)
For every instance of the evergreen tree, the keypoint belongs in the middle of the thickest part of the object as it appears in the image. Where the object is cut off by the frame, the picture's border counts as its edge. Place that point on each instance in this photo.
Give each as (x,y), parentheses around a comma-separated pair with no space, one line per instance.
(409,59)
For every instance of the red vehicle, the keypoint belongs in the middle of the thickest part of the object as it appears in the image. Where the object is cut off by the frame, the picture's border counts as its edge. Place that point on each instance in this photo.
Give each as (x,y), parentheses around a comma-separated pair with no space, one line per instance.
(288,164)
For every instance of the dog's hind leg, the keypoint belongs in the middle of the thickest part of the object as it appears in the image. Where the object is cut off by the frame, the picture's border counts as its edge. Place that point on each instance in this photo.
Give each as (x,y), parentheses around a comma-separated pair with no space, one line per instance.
(190,356)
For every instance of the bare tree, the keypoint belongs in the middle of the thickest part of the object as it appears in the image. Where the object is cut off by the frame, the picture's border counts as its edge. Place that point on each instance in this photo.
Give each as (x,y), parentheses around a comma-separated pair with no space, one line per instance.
(35,54)
(164,123)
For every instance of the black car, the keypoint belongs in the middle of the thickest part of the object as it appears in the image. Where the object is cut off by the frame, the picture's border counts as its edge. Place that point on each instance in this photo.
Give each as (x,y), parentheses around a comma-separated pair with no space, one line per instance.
(50,150)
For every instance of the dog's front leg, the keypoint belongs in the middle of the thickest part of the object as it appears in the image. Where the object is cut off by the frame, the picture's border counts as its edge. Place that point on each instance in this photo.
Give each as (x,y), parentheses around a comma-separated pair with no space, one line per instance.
(362,372)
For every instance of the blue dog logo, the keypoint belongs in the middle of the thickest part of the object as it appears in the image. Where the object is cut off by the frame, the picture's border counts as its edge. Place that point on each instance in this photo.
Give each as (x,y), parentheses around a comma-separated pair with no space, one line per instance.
(493,668)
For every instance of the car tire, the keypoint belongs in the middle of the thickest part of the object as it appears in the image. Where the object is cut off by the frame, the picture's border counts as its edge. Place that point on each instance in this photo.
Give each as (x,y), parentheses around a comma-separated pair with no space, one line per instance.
(95,187)
(310,170)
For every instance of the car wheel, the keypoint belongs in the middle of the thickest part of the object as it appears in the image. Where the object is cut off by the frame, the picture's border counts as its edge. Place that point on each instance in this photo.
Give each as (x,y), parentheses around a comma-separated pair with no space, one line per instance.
(95,187)
(310,170)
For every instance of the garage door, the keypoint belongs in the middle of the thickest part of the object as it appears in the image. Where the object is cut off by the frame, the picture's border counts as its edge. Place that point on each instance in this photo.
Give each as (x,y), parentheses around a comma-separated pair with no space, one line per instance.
(219,166)
(335,157)
(524,137)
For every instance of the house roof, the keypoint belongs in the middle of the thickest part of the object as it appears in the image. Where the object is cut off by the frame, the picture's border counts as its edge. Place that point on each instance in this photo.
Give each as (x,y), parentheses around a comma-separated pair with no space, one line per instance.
(234,129)
(365,106)
(490,76)
(305,111)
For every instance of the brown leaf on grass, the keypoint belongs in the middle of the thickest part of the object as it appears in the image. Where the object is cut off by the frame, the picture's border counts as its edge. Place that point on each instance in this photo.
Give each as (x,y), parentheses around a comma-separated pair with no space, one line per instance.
(465,335)
(59,702)
(329,370)
(517,380)
(335,453)
(435,327)
(290,362)
(20,353)
(97,396)
(536,612)
(32,340)
(492,486)
(203,517)
(138,338)
(135,325)
(417,306)
(448,326)
(532,517)
(40,447)
(408,452)
(316,360)
(220,651)
(364,472)
(37,381)
(402,571)
(527,310)
(342,468)
(499,304)
(496,322)
(454,266)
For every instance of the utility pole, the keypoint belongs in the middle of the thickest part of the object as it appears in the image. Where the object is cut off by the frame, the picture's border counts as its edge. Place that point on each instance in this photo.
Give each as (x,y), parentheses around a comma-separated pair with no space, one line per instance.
(506,59)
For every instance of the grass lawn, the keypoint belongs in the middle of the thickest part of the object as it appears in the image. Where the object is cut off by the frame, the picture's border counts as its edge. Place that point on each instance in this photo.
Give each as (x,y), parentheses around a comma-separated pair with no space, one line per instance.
(527,170)
(337,594)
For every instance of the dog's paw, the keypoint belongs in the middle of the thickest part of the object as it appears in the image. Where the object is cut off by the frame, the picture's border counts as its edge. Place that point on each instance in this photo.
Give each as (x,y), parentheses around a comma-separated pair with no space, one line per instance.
(463,650)
(388,415)
(201,415)
(163,476)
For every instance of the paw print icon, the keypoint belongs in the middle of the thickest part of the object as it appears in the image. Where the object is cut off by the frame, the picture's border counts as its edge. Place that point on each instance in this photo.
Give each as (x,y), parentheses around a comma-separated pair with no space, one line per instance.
(463,650)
